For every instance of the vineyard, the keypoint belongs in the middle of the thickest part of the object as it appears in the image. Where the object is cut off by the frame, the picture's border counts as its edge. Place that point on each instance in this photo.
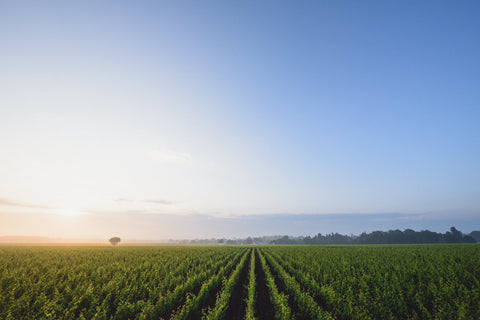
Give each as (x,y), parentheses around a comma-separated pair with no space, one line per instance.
(256,282)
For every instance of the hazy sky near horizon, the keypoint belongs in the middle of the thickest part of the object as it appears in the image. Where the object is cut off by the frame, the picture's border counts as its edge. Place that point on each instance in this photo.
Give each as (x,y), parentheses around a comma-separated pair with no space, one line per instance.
(156,110)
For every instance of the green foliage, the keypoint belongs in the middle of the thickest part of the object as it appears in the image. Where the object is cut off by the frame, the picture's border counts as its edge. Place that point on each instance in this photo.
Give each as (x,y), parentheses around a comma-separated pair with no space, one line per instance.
(302,282)
(223,299)
(193,306)
(279,300)
(308,308)
(387,282)
(252,295)
(104,282)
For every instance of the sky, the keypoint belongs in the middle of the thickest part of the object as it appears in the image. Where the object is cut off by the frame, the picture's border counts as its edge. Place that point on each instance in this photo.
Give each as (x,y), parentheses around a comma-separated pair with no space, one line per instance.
(186,119)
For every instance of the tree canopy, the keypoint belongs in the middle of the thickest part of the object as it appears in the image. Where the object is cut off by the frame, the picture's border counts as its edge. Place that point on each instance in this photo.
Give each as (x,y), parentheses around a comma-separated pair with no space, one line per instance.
(408,236)
(114,241)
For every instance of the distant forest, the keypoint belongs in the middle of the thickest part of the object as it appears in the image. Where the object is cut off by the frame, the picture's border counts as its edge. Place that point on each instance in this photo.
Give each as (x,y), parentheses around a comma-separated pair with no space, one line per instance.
(408,236)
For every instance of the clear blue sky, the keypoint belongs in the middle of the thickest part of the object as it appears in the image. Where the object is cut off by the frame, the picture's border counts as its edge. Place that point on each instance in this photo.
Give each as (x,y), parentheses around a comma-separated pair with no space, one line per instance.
(225,109)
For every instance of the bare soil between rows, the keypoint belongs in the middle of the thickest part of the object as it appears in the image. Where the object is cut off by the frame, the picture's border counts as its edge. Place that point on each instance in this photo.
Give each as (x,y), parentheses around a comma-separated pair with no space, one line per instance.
(264,306)
(238,306)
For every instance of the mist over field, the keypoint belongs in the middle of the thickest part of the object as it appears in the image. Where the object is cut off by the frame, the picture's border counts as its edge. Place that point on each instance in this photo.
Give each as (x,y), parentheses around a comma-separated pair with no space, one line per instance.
(99,228)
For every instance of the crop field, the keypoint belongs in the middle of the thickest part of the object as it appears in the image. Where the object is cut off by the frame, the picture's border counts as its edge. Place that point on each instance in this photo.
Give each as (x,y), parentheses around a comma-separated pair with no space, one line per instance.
(256,282)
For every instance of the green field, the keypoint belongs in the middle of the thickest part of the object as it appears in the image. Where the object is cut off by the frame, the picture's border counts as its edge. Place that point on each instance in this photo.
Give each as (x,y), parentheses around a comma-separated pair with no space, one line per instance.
(264,282)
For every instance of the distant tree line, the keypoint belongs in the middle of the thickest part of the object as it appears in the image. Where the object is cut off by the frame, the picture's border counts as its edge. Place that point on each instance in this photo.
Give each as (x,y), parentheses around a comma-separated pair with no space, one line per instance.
(407,236)
(245,241)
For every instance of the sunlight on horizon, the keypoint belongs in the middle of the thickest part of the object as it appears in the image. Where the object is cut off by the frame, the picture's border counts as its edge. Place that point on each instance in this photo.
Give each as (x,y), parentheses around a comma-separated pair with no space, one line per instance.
(70,212)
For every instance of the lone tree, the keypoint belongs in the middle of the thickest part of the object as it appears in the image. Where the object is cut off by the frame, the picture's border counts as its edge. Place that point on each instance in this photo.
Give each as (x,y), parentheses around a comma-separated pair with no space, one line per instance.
(114,241)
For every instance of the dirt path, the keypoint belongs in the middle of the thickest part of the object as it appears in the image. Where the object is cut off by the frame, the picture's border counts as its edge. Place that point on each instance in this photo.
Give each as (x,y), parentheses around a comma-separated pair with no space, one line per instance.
(210,302)
(238,305)
(264,307)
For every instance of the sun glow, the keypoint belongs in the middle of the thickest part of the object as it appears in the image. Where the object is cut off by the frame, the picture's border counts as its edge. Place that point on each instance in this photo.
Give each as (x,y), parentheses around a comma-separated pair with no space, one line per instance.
(70,213)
